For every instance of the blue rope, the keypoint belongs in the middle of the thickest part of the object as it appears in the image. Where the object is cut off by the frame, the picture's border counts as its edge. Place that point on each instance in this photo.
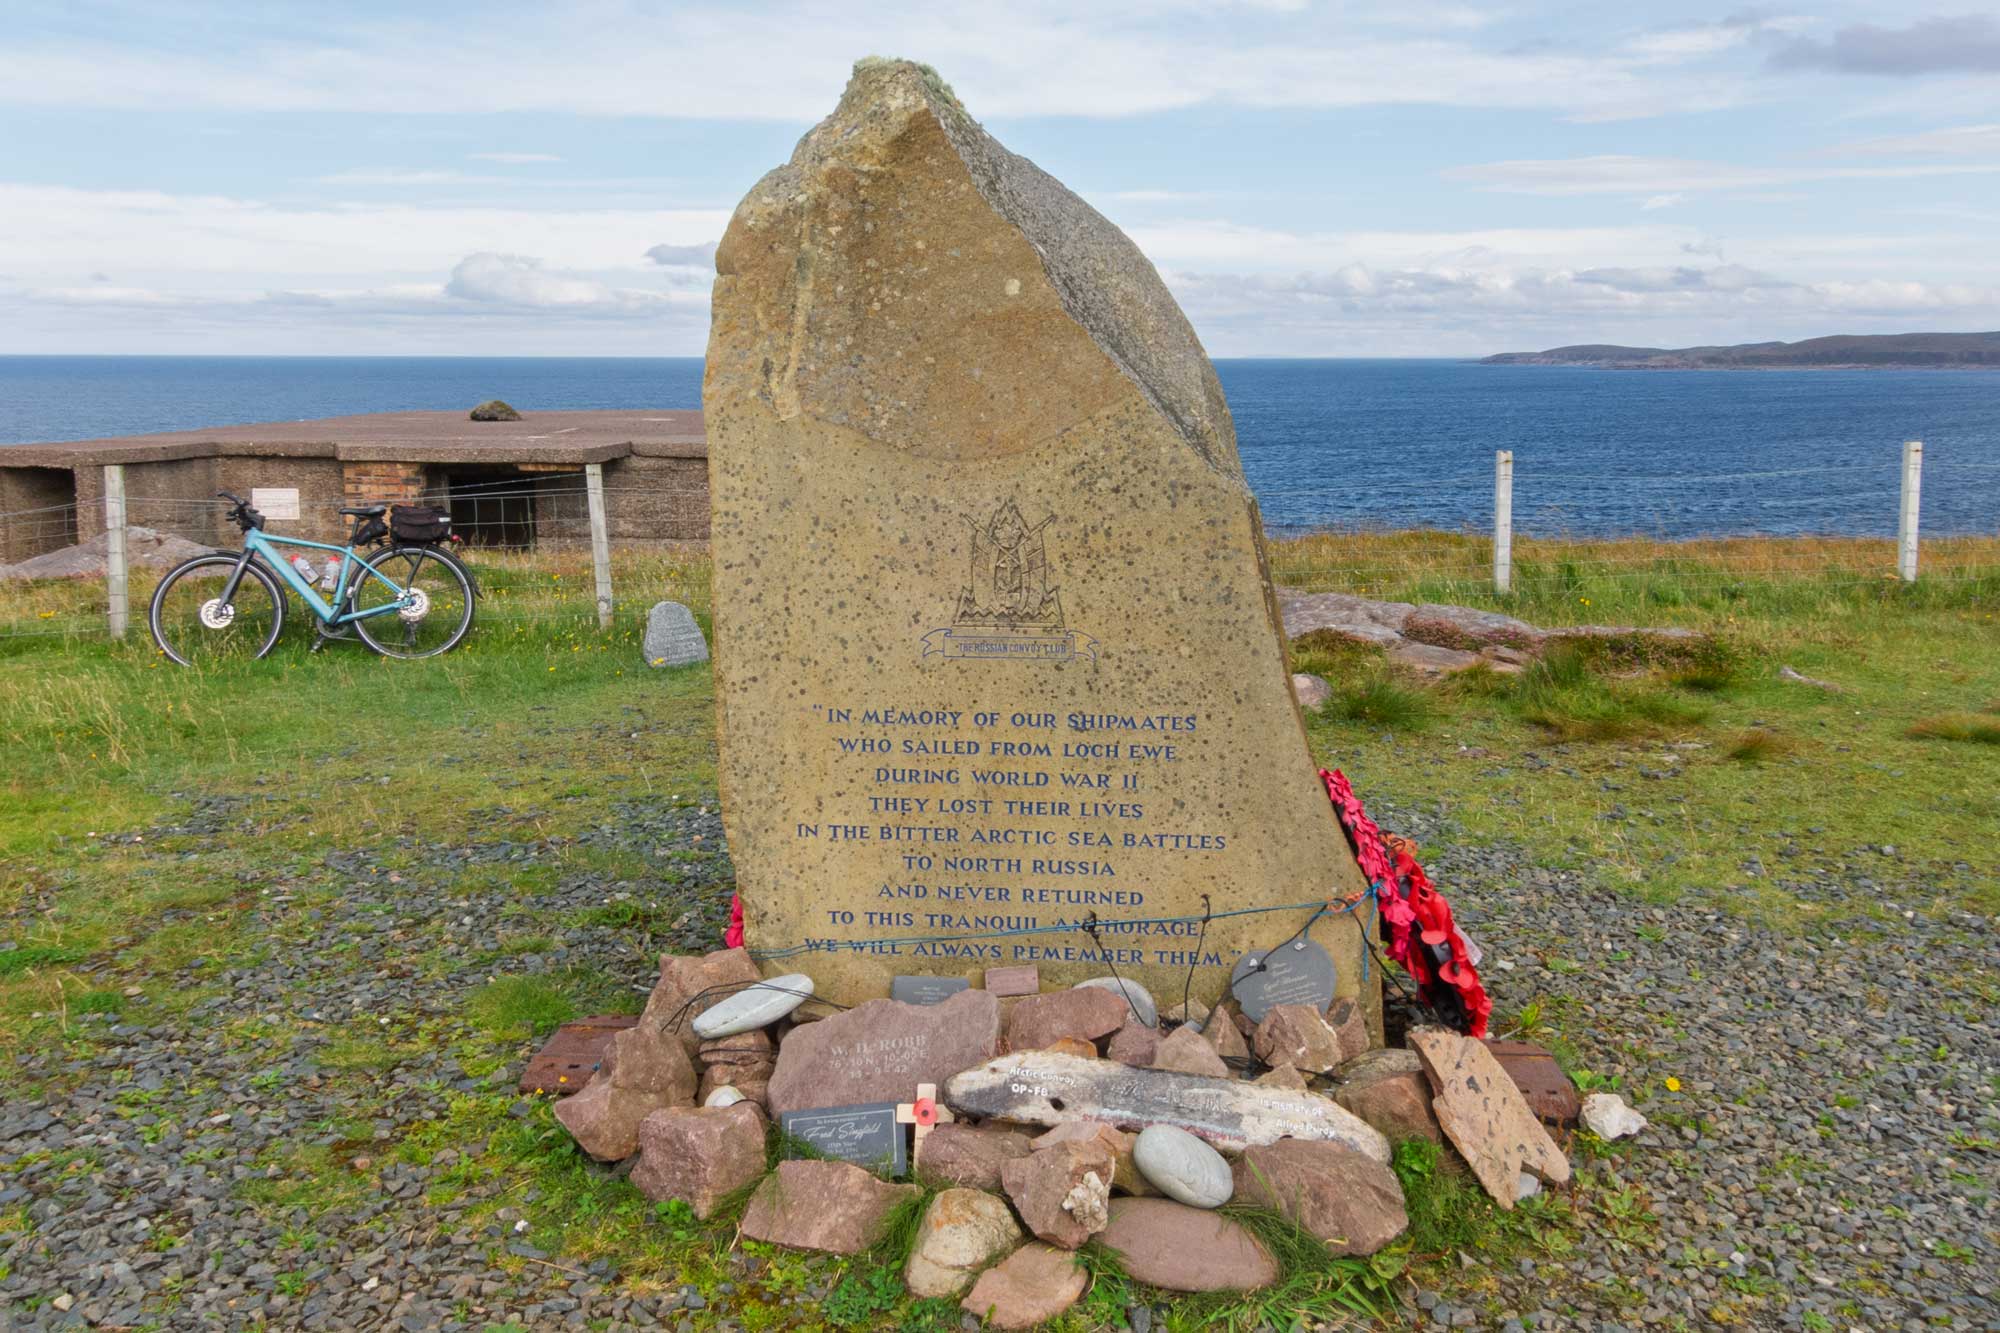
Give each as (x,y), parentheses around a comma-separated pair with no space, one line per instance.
(859,946)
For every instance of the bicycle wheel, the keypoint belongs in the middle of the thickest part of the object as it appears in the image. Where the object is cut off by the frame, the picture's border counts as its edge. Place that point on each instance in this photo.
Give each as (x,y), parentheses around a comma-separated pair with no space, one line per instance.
(433,598)
(194,626)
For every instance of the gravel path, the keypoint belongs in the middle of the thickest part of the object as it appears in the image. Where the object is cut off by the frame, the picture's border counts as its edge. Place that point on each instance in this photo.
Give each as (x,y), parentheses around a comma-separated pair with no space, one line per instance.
(1828,1162)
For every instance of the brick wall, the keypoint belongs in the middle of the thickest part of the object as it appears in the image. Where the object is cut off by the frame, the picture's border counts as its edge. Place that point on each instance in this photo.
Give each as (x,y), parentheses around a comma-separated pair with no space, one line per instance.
(375,483)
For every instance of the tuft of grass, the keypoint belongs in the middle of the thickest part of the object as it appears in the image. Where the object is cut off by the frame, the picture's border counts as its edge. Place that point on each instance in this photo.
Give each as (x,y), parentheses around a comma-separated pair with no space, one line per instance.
(1757,745)
(33,957)
(1448,1211)
(1564,695)
(1381,701)
(518,1008)
(1976,728)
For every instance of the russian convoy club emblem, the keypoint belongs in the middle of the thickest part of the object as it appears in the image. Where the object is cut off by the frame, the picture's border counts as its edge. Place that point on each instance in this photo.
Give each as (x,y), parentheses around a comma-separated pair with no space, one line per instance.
(1009,608)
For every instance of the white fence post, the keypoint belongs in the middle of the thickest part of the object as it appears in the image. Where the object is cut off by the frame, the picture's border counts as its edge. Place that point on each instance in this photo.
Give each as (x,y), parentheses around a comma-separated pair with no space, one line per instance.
(1503,521)
(1906,525)
(117,606)
(600,541)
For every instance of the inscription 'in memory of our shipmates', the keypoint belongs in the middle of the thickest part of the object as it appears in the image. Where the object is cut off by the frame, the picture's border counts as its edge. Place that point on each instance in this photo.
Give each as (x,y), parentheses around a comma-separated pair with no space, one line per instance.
(996,649)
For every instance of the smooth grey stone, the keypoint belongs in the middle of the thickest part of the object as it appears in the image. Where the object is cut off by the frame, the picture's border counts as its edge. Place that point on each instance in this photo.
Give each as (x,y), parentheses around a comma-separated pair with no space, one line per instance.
(1182,1167)
(672,637)
(723,1096)
(754,1007)
(1137,998)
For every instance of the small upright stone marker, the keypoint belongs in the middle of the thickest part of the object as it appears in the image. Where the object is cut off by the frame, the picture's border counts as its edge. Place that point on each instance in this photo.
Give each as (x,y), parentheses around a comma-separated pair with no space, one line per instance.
(672,637)
(992,614)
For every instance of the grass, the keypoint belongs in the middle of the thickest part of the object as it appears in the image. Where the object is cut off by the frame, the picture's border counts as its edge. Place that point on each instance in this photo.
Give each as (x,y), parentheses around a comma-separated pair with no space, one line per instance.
(1976,728)
(152,820)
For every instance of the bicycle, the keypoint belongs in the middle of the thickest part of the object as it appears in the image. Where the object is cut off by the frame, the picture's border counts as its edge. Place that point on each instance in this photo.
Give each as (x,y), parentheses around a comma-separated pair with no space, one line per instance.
(407,601)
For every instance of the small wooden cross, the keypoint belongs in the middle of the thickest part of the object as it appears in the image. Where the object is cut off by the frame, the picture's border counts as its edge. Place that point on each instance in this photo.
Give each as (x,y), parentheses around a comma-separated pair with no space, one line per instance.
(924,1112)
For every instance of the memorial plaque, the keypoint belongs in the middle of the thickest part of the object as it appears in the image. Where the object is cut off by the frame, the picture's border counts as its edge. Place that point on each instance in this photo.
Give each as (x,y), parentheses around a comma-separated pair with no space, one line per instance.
(1299,972)
(569,1058)
(926,990)
(869,1135)
(275,502)
(1014,980)
(999,673)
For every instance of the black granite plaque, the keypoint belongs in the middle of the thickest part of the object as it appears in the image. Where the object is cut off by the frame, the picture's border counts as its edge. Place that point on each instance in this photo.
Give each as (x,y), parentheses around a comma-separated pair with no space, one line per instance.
(926,990)
(868,1135)
(1299,972)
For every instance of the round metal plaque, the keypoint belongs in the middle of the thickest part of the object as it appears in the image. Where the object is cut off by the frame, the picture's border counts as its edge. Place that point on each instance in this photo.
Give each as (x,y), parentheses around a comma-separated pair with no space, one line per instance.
(1299,972)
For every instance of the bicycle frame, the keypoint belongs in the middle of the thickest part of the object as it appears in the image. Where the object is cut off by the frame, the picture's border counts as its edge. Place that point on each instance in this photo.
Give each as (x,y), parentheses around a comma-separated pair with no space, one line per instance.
(255,542)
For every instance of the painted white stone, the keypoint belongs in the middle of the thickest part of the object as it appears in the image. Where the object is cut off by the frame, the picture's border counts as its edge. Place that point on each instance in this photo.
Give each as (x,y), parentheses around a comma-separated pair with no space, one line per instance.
(1044,1088)
(1606,1115)
(723,1096)
(1137,998)
(1182,1167)
(754,1007)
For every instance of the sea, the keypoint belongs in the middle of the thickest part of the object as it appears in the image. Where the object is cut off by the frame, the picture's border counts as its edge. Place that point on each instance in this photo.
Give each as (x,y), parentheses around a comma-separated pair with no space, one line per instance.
(1341,444)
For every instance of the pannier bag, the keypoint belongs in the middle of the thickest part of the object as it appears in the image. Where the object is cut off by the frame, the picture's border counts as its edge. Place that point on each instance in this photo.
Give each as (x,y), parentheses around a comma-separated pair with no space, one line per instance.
(374,530)
(419,523)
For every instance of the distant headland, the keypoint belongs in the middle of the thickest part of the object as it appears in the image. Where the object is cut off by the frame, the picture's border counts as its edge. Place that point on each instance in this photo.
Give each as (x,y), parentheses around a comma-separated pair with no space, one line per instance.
(1879,351)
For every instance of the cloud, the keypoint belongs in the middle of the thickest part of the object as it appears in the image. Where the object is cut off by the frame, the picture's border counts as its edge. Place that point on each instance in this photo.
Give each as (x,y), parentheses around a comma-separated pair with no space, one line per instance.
(522,281)
(229,242)
(1957,140)
(1367,310)
(684,256)
(1032,58)
(1614,173)
(1659,201)
(1968,43)
(514,159)
(1693,40)
(399,176)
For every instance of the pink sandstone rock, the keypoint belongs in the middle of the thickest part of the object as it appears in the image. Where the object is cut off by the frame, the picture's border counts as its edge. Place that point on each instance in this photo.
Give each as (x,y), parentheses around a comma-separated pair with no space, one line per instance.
(1088,1013)
(1177,1248)
(1224,1036)
(1134,1044)
(831,1206)
(1297,1034)
(1125,1174)
(1186,1051)
(1352,1203)
(880,1051)
(644,1070)
(1031,1286)
(1061,1191)
(1348,1025)
(672,1004)
(969,1155)
(700,1155)
(1282,1075)
(1390,1090)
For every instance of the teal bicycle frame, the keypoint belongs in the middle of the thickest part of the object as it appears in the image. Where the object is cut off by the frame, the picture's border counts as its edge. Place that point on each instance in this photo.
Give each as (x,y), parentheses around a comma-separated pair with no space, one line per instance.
(256,543)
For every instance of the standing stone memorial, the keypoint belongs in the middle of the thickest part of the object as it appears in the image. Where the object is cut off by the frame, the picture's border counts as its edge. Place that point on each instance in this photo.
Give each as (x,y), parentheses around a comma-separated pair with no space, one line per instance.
(996,647)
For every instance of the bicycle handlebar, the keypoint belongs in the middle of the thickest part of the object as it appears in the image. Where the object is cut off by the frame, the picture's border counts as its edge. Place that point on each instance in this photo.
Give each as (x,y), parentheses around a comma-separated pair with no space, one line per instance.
(242,514)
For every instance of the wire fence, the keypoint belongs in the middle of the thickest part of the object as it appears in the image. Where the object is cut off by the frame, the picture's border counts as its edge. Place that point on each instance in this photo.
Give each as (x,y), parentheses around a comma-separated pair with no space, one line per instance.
(534,547)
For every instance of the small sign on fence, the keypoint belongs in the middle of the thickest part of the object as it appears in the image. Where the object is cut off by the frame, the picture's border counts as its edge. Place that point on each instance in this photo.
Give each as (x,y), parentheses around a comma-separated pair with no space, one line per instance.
(275,501)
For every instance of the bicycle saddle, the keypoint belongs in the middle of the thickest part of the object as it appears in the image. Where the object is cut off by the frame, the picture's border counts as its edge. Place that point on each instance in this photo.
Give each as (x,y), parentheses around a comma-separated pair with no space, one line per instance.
(367,511)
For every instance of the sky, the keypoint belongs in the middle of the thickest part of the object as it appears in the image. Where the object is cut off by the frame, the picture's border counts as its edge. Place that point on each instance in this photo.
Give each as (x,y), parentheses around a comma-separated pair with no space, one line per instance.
(1419,178)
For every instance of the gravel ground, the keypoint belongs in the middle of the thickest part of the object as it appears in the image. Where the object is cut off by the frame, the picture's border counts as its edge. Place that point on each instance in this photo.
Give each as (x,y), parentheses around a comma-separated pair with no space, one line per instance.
(1828,1162)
